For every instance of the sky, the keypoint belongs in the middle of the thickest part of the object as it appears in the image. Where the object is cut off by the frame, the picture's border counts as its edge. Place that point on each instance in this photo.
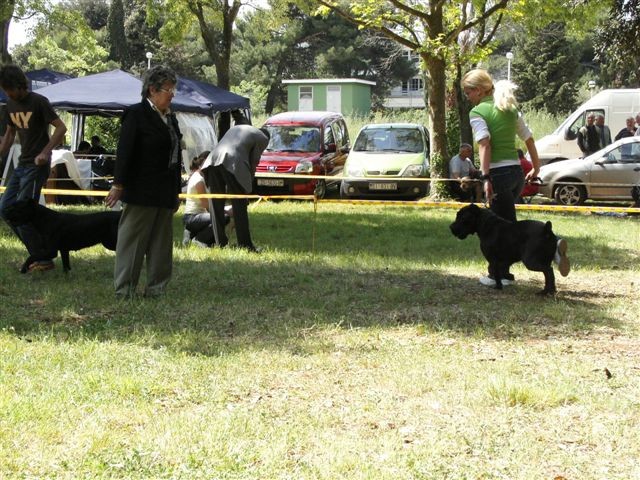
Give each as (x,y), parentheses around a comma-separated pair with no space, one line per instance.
(17,33)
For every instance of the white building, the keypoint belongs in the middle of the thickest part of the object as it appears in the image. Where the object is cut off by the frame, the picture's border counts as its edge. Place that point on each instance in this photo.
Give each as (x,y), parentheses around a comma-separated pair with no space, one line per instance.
(409,94)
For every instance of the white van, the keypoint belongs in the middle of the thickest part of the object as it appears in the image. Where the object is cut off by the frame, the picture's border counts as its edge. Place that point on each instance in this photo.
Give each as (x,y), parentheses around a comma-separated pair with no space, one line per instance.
(615,105)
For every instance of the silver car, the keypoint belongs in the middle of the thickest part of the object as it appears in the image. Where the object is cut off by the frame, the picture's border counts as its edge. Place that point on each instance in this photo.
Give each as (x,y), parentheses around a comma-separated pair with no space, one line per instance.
(608,174)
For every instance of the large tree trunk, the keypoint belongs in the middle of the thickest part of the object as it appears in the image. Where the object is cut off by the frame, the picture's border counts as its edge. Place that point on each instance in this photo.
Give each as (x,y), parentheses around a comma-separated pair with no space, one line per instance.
(435,67)
(436,89)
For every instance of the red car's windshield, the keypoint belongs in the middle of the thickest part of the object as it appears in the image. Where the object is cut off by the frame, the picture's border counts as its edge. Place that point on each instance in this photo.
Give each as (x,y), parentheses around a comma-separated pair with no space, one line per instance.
(294,139)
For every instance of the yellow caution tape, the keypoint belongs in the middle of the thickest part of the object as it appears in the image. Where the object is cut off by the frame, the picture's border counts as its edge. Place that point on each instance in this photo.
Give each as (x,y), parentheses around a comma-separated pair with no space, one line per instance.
(420,204)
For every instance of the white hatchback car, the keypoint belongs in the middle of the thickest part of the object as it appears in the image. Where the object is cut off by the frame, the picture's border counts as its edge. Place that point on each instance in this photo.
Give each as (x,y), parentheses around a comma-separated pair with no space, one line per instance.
(608,174)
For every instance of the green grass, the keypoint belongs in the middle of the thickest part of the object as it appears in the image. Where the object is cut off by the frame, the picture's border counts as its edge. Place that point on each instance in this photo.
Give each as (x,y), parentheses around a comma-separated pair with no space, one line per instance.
(358,345)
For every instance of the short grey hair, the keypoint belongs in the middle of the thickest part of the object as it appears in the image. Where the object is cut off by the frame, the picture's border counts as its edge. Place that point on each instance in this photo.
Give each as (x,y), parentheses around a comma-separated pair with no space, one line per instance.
(156,77)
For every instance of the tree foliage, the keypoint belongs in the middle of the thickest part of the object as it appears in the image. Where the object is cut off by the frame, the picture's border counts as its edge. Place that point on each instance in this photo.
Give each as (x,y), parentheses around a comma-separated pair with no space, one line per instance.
(64,42)
(215,20)
(432,29)
(118,45)
(17,9)
(546,70)
(300,45)
(618,44)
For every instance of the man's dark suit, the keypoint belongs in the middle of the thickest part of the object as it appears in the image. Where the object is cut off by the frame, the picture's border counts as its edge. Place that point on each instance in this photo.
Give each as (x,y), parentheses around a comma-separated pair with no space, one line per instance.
(230,168)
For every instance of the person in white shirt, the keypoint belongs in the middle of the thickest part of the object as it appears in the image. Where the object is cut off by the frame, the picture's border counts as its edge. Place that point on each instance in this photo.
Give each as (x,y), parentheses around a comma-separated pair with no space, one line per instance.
(461,166)
(197,219)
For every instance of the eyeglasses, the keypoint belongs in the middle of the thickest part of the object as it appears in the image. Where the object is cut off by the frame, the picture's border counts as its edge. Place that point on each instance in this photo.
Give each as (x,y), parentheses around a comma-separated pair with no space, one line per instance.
(171,91)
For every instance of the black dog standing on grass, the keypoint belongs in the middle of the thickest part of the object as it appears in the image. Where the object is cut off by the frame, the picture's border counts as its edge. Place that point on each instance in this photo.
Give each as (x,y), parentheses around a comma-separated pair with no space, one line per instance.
(504,243)
(63,232)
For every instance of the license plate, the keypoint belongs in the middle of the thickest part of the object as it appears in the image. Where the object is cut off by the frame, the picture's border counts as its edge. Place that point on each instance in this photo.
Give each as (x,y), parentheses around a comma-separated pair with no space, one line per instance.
(270,182)
(383,186)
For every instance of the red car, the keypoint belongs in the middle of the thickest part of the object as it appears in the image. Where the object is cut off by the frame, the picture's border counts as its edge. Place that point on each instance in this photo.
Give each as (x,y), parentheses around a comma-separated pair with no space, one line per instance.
(302,143)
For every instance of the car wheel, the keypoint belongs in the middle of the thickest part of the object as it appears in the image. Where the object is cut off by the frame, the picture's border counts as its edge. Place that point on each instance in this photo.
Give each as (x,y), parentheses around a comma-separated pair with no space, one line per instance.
(570,194)
(321,189)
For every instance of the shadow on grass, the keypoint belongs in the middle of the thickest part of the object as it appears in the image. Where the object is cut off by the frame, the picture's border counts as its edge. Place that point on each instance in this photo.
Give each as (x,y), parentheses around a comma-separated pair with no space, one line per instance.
(221,301)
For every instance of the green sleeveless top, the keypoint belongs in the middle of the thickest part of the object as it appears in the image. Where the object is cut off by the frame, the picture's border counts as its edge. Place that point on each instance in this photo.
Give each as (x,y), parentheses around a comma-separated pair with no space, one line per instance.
(502,127)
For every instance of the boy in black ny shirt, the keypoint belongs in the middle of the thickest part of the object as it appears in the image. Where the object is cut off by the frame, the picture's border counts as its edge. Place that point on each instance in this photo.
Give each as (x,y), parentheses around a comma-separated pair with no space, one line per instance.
(29,115)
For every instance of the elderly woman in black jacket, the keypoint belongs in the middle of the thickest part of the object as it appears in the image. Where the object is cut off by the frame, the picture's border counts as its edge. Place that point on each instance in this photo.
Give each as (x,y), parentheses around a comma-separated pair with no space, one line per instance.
(147,180)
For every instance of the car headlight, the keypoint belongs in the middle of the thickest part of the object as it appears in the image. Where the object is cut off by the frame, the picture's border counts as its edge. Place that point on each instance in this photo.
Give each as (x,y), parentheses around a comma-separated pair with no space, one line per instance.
(413,171)
(304,167)
(355,171)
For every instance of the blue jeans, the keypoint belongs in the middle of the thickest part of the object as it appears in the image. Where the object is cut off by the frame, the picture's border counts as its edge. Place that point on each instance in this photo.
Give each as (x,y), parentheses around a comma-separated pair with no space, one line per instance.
(26,182)
(507,183)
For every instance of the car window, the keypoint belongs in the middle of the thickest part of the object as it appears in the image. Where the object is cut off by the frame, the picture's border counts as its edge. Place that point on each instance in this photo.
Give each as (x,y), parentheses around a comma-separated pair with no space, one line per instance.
(337,133)
(628,153)
(294,139)
(390,139)
(328,136)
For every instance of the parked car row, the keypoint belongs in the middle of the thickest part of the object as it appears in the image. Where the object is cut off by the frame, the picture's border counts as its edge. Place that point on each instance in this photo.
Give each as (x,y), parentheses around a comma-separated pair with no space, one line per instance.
(391,160)
(384,156)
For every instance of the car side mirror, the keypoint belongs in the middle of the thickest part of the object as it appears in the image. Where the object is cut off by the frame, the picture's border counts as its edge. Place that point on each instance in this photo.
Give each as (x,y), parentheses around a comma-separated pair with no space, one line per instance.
(330,148)
(570,134)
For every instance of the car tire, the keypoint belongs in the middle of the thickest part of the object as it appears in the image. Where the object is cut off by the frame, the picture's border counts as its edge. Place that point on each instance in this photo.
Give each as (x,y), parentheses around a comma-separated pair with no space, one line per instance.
(570,194)
(321,189)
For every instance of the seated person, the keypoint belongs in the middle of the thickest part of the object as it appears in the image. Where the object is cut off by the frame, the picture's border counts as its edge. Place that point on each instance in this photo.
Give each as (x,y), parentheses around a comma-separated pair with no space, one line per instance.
(83,149)
(96,147)
(197,219)
(461,166)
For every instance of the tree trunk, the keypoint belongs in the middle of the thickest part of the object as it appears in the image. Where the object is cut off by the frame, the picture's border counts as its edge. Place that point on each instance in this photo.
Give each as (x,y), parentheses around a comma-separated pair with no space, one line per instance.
(275,84)
(436,89)
(466,135)
(218,45)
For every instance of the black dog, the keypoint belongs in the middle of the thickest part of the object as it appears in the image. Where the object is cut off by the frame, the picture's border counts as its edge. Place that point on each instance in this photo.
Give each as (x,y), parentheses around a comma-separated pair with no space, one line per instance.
(64,232)
(504,243)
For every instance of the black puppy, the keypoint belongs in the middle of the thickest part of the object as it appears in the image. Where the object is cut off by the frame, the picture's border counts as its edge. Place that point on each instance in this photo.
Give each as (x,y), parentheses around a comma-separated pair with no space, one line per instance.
(504,243)
(64,232)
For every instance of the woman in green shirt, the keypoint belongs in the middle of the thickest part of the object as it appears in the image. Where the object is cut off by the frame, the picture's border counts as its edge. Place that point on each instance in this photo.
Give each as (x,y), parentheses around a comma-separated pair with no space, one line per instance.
(495,121)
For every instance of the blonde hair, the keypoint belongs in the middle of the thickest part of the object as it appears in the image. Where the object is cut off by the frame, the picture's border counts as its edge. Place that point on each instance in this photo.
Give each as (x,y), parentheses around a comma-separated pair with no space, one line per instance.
(502,90)
(479,79)
(503,95)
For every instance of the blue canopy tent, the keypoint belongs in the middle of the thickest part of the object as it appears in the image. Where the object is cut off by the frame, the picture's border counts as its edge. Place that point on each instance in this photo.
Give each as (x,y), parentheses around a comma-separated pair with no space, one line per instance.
(220,100)
(108,94)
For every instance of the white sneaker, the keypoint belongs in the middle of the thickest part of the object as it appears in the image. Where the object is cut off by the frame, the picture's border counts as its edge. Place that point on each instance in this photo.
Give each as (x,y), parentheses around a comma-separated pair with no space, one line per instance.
(487,281)
(561,257)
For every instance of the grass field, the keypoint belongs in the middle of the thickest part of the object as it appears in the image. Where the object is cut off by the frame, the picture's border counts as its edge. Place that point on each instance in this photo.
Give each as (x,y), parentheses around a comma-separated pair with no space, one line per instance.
(358,345)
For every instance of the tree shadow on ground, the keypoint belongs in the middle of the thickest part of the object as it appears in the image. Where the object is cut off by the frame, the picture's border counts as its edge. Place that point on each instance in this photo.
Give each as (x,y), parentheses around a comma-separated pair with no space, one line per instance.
(227,300)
